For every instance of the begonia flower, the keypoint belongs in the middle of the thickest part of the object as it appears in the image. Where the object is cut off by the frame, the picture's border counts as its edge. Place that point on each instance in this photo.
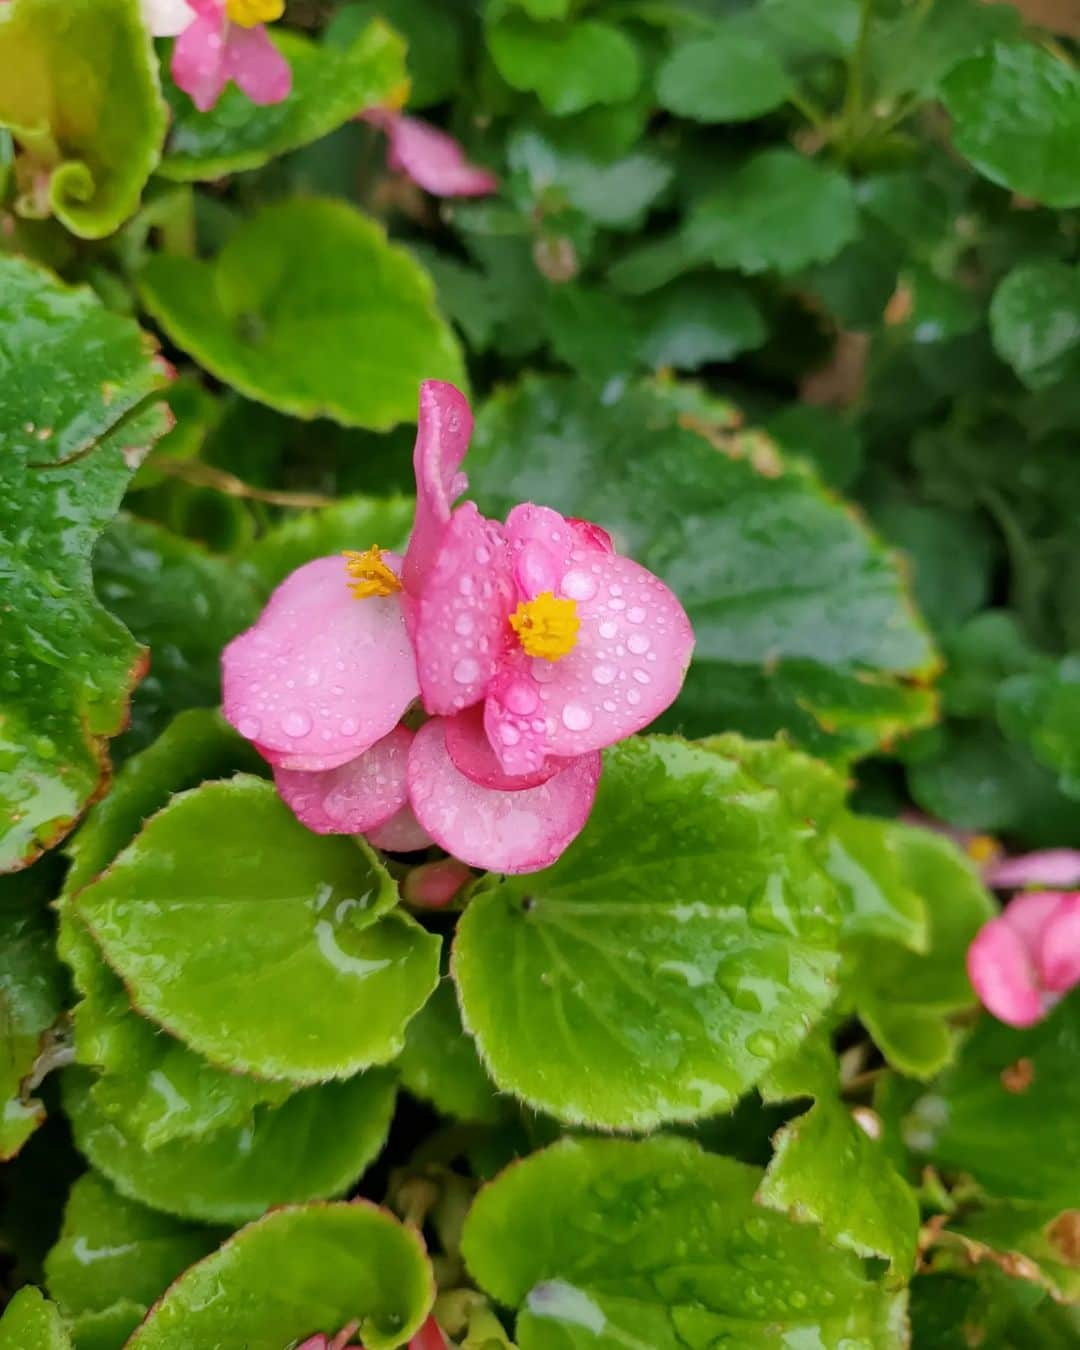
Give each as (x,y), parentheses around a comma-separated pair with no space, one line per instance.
(1051,867)
(1024,961)
(430,157)
(429,1337)
(530,645)
(222,40)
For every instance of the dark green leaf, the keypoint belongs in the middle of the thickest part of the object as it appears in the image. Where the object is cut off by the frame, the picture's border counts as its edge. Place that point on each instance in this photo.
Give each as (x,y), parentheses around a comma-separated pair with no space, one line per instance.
(440,1063)
(696,321)
(1042,710)
(727,76)
(1035,321)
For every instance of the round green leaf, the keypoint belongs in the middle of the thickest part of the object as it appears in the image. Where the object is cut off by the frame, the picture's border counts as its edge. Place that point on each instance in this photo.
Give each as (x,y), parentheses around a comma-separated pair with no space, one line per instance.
(235,1174)
(309,309)
(1035,321)
(698,320)
(294,1273)
(1016,117)
(295,921)
(330,84)
(569,66)
(72,378)
(727,76)
(81,94)
(655,1245)
(31,1323)
(440,1063)
(434,35)
(684,943)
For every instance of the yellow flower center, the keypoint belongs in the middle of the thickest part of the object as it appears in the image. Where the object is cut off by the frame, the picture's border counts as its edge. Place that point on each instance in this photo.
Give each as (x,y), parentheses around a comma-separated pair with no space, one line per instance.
(372,576)
(248,13)
(982,848)
(546,627)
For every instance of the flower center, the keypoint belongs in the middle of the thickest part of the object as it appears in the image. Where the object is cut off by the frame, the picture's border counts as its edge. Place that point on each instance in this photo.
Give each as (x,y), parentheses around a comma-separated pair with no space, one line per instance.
(982,848)
(249,13)
(371,575)
(546,626)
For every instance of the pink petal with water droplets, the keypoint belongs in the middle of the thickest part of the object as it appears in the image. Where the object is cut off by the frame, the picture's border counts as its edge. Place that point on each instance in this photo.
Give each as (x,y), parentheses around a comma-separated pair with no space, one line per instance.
(321,676)
(443,429)
(461,626)
(431,158)
(1059,946)
(256,65)
(357,796)
(1003,975)
(499,831)
(591,535)
(540,545)
(198,59)
(402,833)
(469,746)
(1048,867)
(633,648)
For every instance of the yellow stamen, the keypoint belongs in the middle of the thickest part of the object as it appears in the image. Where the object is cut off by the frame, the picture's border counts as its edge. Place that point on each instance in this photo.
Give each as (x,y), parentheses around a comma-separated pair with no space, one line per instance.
(249,13)
(373,577)
(546,627)
(982,848)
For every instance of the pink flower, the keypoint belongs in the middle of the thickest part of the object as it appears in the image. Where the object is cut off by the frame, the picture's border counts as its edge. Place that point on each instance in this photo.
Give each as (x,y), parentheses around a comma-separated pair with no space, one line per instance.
(429,1337)
(531,646)
(222,40)
(1024,961)
(1048,867)
(432,159)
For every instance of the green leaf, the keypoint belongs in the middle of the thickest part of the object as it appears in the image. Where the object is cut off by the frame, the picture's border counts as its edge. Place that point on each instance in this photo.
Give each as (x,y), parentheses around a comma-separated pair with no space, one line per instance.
(1035,321)
(748,223)
(1042,710)
(569,66)
(1016,117)
(605,1245)
(81,96)
(727,76)
(869,860)
(294,1273)
(993,1310)
(435,37)
(591,330)
(613,192)
(236,1173)
(1015,1134)
(696,321)
(801,617)
(112,1251)
(295,916)
(683,943)
(1041,1236)
(308,308)
(183,604)
(827,441)
(330,84)
(31,1323)
(440,1063)
(911,53)
(108,1329)
(353,522)
(73,378)
(828,1170)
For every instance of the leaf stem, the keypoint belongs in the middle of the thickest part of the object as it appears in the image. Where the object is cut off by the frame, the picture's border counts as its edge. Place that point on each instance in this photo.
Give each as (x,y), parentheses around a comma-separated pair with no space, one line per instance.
(193,471)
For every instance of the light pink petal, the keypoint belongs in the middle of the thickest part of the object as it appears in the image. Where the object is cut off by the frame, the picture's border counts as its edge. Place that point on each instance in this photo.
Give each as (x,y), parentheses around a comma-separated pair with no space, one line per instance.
(256,65)
(591,535)
(402,833)
(444,426)
(633,648)
(167,18)
(461,625)
(198,59)
(540,545)
(1054,867)
(315,1343)
(469,746)
(431,158)
(357,796)
(1003,975)
(434,885)
(321,676)
(1059,946)
(1027,915)
(500,831)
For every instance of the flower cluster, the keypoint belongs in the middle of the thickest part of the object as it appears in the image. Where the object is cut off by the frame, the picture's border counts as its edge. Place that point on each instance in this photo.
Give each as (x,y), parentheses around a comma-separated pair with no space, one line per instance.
(529,645)
(222,40)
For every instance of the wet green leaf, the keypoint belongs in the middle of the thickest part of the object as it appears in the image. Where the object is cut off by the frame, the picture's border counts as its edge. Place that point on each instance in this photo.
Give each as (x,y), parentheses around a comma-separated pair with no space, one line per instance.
(440,1063)
(31,1323)
(434,35)
(73,381)
(602,1244)
(614,192)
(696,321)
(1035,320)
(308,308)
(81,96)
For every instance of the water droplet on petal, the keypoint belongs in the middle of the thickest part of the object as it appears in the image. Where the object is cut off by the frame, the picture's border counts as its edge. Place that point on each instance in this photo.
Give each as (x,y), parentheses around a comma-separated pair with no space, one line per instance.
(521,698)
(604,674)
(638,643)
(578,586)
(642,677)
(608,628)
(296,723)
(576,718)
(350,726)
(632,696)
(463,625)
(466,670)
(249,728)
(509,734)
(636,614)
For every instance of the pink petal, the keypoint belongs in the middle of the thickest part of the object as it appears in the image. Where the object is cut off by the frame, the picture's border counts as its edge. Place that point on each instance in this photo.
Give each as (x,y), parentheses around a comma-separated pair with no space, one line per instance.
(1059,946)
(469,747)
(431,158)
(402,833)
(434,885)
(1003,975)
(443,429)
(591,535)
(315,1343)
(1027,915)
(357,796)
(429,1337)
(198,59)
(321,676)
(633,648)
(256,65)
(540,545)
(461,625)
(1049,867)
(500,831)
